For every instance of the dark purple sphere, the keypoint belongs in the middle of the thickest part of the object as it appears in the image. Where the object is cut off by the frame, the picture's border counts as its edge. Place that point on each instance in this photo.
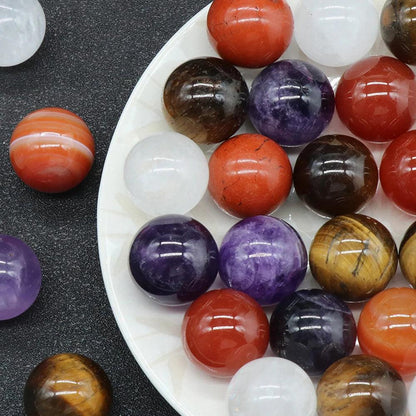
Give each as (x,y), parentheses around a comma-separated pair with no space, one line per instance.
(312,328)
(174,259)
(291,102)
(263,257)
(20,277)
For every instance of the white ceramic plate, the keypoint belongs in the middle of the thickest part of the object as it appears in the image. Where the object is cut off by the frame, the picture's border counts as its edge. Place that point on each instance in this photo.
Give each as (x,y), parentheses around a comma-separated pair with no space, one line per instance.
(151,331)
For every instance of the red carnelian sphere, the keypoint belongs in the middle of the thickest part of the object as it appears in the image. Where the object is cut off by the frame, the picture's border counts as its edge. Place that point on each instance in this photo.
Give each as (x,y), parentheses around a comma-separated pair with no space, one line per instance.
(387,328)
(223,330)
(52,150)
(250,33)
(376,98)
(249,175)
(398,171)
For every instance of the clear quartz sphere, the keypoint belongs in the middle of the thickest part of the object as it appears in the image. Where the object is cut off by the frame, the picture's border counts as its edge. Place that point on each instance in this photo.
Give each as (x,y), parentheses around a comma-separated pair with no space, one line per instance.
(22,29)
(336,32)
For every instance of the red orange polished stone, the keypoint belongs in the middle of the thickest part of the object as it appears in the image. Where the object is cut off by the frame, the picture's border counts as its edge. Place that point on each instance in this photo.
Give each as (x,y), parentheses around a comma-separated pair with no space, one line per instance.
(52,150)
(250,33)
(387,328)
(376,98)
(249,175)
(224,329)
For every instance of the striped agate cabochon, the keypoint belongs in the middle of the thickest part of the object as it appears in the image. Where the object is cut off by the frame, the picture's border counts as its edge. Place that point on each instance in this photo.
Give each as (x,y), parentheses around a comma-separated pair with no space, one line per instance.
(52,150)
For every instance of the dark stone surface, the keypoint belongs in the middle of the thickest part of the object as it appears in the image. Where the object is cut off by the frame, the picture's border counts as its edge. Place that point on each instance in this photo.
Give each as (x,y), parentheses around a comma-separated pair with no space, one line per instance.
(93,55)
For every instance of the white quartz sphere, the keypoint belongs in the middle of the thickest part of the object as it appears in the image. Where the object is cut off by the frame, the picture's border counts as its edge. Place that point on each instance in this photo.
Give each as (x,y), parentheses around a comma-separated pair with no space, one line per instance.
(336,32)
(411,401)
(271,386)
(166,174)
(22,29)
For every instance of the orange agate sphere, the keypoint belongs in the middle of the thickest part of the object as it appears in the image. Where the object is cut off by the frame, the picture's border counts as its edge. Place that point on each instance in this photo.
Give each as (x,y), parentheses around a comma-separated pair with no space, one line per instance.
(52,150)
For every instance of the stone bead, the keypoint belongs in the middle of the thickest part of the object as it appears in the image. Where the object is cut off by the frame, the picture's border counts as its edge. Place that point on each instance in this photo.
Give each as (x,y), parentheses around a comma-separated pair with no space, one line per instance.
(407,255)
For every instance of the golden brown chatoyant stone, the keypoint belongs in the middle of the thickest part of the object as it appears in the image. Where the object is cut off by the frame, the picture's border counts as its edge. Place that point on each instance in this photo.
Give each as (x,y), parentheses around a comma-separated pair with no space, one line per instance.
(67,385)
(407,255)
(353,256)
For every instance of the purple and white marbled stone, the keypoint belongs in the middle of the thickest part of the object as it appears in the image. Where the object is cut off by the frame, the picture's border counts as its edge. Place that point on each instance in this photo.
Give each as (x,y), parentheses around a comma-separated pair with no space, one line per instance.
(263,257)
(291,102)
(20,277)
(174,259)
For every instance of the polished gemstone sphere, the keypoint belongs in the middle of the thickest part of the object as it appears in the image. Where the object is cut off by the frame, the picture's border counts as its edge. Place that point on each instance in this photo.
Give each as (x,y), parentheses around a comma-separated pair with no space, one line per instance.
(206,99)
(291,102)
(376,98)
(398,172)
(52,150)
(353,256)
(22,29)
(20,277)
(174,259)
(313,329)
(387,328)
(411,405)
(398,29)
(407,255)
(224,329)
(335,32)
(249,175)
(271,386)
(335,175)
(263,257)
(166,174)
(67,384)
(250,33)
(361,385)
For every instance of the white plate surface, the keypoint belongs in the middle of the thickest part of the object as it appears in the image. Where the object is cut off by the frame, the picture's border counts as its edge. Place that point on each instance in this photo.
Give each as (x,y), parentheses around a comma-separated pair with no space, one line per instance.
(151,331)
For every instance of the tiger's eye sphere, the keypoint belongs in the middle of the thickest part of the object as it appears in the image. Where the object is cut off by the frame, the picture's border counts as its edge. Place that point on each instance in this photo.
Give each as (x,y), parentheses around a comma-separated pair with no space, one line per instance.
(353,256)
(206,99)
(70,385)
(335,175)
(361,385)
(407,255)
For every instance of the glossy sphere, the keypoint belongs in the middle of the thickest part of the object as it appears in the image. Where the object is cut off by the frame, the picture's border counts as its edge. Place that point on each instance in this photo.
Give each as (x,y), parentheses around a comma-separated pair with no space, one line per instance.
(398,29)
(249,175)
(335,175)
(52,150)
(313,329)
(271,386)
(67,384)
(250,34)
(353,256)
(22,29)
(263,257)
(398,171)
(174,259)
(223,330)
(376,98)
(291,102)
(334,32)
(166,174)
(21,277)
(361,385)
(407,255)
(206,99)
(387,328)
(411,405)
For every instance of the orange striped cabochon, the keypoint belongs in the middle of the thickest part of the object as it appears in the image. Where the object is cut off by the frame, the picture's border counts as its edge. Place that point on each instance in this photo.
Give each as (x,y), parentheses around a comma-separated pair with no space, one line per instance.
(52,150)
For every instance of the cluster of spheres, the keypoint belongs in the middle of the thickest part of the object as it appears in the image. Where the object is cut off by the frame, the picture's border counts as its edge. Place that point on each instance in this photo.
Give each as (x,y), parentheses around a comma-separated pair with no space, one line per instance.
(261,261)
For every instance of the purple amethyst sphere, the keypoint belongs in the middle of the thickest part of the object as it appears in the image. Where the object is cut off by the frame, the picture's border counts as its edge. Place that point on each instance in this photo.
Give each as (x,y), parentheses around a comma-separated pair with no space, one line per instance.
(291,102)
(174,259)
(20,277)
(263,257)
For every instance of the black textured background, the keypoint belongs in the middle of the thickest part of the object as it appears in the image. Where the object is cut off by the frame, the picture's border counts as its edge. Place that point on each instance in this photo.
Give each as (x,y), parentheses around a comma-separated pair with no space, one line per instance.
(93,54)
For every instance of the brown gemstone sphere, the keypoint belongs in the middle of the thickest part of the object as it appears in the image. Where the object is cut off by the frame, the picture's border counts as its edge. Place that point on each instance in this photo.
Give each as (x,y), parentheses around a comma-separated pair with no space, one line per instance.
(353,256)
(361,385)
(398,29)
(67,385)
(206,99)
(335,175)
(407,255)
